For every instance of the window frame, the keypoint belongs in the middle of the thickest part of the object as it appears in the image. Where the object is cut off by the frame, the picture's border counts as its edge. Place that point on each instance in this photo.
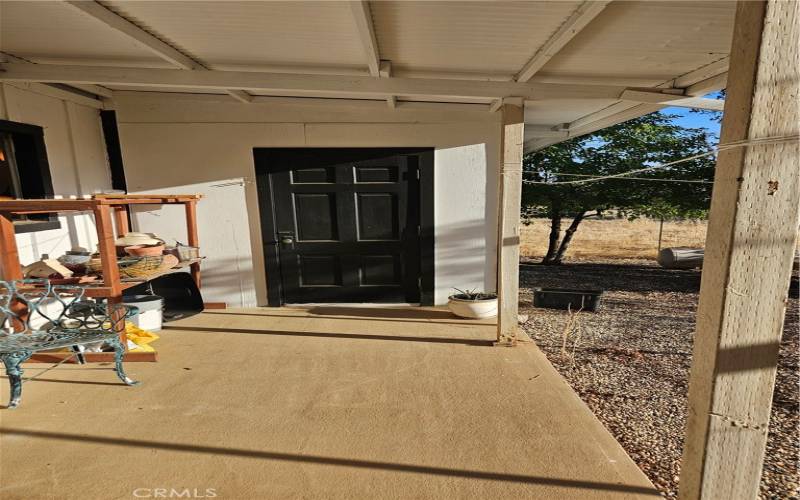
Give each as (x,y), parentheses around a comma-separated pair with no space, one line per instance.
(36,133)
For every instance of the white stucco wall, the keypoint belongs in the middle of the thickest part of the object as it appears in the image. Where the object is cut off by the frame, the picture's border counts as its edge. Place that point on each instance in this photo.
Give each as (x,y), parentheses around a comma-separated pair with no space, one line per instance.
(172,140)
(78,165)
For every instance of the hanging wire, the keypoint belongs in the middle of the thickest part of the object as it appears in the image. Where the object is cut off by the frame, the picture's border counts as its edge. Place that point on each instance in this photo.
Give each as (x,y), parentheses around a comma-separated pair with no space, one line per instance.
(721,147)
(649,179)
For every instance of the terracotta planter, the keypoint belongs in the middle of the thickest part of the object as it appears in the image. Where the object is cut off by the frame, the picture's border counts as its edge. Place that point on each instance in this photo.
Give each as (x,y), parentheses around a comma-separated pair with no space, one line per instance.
(144,251)
(474,309)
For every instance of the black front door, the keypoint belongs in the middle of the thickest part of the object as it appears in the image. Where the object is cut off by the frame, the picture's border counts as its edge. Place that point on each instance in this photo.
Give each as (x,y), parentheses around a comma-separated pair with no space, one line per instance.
(342,225)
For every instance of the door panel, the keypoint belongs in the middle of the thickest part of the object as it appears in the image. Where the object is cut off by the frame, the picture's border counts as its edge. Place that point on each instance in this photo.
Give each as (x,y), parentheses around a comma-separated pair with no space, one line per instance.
(315,215)
(343,224)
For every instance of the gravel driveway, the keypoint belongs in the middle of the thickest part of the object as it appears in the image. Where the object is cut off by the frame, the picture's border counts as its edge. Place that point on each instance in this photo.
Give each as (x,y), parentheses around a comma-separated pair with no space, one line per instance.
(630,363)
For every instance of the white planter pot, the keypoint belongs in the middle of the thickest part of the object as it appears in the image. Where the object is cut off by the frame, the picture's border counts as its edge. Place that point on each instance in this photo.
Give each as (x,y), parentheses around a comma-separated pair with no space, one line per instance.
(475,309)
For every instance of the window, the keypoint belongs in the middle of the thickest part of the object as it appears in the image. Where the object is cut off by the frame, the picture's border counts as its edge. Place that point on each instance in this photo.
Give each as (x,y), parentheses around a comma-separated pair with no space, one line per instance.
(25,172)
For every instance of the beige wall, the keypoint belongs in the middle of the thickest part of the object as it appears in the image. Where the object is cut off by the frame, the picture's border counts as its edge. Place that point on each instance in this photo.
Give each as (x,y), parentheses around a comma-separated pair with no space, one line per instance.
(171,140)
(76,152)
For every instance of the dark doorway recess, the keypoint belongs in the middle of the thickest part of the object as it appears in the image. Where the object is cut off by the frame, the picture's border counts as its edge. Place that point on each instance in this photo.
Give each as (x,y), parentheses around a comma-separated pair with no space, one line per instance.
(113,149)
(347,224)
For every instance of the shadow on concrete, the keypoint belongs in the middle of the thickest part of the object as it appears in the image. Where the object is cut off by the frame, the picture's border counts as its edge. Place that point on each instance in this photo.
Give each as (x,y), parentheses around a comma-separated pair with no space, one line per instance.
(328,335)
(342,462)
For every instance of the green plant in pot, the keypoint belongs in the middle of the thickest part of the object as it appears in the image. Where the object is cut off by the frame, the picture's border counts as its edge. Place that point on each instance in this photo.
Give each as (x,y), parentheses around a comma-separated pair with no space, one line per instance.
(473,304)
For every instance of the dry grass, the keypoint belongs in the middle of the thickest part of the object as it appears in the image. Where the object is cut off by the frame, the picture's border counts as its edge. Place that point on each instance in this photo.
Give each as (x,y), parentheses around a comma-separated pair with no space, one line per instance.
(614,238)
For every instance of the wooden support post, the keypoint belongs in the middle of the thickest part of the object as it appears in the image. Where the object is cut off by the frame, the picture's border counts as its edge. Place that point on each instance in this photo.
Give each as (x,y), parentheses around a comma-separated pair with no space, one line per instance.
(108,251)
(755,210)
(121,220)
(108,258)
(192,236)
(9,255)
(510,194)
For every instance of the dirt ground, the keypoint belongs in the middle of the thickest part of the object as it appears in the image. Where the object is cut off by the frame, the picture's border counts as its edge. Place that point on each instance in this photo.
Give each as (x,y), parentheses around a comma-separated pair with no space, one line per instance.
(630,363)
(615,238)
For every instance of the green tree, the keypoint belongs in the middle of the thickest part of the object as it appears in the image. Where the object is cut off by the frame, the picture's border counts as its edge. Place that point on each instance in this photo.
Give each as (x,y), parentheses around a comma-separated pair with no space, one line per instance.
(642,142)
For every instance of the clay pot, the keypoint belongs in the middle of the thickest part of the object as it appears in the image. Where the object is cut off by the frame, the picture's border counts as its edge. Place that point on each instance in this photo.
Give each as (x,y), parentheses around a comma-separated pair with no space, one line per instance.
(144,250)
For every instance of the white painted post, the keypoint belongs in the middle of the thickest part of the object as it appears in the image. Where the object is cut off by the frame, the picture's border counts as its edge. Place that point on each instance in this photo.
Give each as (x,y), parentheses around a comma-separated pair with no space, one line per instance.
(509,220)
(755,210)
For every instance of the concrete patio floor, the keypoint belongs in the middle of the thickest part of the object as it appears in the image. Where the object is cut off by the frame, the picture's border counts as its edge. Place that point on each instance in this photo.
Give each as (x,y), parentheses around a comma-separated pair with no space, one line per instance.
(322,402)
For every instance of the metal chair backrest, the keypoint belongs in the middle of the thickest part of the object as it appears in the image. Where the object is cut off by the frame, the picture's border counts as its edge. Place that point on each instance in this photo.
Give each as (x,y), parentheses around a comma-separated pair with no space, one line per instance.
(36,305)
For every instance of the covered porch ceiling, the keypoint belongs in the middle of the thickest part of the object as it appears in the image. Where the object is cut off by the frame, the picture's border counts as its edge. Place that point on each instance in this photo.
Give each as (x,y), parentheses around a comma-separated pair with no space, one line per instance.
(579,66)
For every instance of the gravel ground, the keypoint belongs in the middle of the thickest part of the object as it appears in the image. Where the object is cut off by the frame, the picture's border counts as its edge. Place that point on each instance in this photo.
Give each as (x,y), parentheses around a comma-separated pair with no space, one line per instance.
(630,363)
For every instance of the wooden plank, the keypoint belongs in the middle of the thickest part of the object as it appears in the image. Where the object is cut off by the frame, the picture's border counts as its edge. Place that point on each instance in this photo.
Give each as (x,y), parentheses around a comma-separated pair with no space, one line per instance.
(46,206)
(678,100)
(719,67)
(121,220)
(709,78)
(581,18)
(116,198)
(700,103)
(148,41)
(91,89)
(135,33)
(193,237)
(62,93)
(93,357)
(386,72)
(509,221)
(331,85)
(108,251)
(215,305)
(240,95)
(9,255)
(96,90)
(755,211)
(366,34)
(97,291)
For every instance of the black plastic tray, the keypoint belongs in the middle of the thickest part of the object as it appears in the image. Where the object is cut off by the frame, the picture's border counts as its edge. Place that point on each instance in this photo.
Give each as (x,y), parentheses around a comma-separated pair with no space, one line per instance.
(565,298)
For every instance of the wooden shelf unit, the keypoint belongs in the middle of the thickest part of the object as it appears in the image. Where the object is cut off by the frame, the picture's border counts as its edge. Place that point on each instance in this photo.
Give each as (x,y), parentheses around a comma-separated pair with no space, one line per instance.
(104,208)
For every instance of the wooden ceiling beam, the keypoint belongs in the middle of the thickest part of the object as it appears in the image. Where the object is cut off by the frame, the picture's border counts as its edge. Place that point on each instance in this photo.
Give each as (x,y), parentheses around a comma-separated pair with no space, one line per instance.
(323,84)
(135,33)
(579,19)
(366,34)
(147,40)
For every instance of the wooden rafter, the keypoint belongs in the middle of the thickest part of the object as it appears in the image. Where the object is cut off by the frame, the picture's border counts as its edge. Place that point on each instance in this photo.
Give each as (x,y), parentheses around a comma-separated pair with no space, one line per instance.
(366,34)
(147,40)
(699,82)
(673,100)
(579,19)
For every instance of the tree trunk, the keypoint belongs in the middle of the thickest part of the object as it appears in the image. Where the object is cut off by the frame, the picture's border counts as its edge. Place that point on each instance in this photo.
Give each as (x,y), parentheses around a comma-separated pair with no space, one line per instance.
(555,233)
(568,234)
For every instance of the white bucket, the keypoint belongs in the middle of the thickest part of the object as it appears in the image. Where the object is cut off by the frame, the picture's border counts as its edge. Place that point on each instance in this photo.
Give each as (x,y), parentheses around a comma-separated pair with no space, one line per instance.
(151,309)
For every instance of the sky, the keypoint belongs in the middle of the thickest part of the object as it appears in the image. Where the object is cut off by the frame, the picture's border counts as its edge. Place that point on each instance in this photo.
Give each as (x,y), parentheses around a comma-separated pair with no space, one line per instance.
(693,120)
(685,118)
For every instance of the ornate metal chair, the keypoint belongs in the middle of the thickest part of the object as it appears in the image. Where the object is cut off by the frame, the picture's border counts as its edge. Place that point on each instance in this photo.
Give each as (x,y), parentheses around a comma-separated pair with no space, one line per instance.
(36,315)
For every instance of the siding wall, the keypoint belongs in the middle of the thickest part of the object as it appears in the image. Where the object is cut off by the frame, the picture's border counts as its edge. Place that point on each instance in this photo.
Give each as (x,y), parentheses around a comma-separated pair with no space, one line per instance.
(78,165)
(173,140)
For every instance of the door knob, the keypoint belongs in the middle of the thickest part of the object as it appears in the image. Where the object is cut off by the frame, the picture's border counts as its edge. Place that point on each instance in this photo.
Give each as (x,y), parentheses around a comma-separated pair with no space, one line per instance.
(287,240)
